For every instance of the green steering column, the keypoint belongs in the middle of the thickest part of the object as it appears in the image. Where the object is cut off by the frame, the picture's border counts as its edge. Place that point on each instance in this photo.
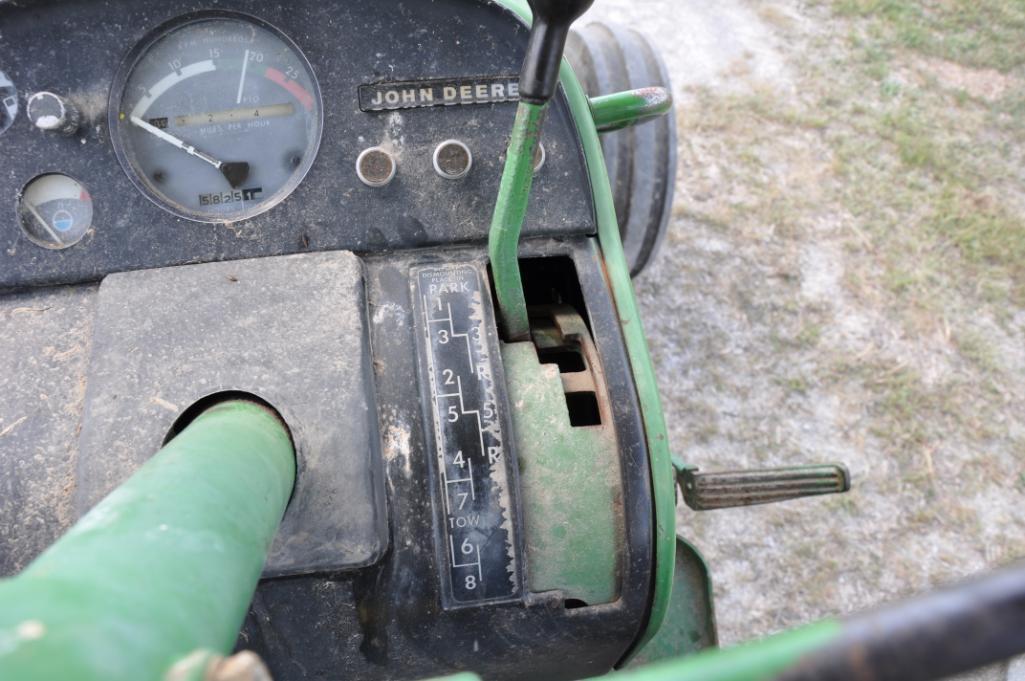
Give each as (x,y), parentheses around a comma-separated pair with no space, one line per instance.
(163,568)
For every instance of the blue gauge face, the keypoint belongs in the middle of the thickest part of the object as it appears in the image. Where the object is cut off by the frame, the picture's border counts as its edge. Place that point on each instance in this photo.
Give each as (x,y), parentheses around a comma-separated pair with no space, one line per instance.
(55,211)
(219,117)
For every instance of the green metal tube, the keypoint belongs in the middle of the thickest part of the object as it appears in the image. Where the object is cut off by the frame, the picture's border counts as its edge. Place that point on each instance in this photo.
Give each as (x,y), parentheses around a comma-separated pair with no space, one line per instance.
(663,479)
(507,220)
(163,567)
(623,109)
(758,661)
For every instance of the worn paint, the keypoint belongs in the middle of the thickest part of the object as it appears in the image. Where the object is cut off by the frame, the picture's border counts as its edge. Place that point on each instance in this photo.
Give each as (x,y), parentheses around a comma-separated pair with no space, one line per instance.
(507,220)
(623,109)
(728,489)
(569,486)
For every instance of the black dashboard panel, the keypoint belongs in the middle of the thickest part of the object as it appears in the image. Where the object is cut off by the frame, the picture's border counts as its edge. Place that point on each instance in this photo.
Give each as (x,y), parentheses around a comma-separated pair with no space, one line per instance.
(75,49)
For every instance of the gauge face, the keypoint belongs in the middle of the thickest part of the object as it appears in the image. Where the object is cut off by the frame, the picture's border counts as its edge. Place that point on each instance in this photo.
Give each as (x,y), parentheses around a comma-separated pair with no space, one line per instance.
(55,211)
(216,117)
(8,103)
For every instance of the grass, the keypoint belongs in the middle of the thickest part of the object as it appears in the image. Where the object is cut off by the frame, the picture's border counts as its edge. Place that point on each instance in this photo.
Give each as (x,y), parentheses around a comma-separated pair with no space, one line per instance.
(906,410)
(809,335)
(979,34)
(909,368)
(796,384)
(924,176)
(974,347)
(928,181)
(916,146)
(989,239)
(937,168)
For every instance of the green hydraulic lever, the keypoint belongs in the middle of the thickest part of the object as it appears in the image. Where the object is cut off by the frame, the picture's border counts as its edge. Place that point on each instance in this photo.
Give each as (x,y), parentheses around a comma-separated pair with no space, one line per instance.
(622,109)
(539,77)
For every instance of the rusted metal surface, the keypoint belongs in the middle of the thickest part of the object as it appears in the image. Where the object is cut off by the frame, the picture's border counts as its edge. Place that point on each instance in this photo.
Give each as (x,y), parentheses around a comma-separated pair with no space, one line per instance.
(559,328)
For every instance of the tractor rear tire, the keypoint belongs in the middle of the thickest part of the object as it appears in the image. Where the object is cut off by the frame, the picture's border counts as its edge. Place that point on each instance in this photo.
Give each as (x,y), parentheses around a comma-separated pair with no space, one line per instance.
(641,160)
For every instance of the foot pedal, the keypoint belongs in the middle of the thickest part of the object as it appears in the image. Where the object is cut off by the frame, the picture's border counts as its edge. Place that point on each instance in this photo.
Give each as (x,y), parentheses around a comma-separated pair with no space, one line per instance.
(729,489)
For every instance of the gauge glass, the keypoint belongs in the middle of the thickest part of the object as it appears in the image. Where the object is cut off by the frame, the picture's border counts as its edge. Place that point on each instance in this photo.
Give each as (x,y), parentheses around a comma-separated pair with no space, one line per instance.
(55,211)
(8,103)
(218,118)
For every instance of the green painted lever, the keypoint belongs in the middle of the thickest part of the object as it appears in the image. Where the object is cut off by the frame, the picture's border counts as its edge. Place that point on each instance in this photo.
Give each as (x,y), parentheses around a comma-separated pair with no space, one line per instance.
(630,107)
(538,80)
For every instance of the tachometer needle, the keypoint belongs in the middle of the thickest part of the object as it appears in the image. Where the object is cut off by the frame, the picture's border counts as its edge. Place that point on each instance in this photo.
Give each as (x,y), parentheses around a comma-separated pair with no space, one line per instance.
(235,172)
(242,80)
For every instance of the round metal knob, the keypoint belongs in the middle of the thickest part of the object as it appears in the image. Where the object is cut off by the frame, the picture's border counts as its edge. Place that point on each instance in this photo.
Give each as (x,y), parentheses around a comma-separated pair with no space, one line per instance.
(375,166)
(452,159)
(53,113)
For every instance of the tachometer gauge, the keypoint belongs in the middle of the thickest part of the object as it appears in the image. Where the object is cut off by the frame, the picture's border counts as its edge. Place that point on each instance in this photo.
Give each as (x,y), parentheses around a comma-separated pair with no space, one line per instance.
(216,116)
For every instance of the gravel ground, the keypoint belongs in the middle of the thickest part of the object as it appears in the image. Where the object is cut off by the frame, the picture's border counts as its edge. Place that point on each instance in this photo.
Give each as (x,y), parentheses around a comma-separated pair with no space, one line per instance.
(777,329)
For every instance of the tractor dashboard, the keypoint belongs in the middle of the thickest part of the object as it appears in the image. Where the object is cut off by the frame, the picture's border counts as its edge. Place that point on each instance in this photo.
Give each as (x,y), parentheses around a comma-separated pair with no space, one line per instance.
(290,203)
(146,133)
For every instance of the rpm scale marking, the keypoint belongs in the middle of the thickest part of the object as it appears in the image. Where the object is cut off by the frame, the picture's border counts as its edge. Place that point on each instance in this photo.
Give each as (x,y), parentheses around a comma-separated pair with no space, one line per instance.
(472,459)
(218,116)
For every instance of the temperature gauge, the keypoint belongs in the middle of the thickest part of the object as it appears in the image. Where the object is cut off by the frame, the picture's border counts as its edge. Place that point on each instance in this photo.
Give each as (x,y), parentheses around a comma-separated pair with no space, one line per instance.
(55,211)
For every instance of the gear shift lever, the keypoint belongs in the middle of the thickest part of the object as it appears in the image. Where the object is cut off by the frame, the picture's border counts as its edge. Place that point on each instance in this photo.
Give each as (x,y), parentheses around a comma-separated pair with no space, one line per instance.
(539,77)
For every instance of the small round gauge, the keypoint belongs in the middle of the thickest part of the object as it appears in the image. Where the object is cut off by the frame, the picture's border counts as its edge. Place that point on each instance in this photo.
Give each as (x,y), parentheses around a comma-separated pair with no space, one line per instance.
(216,116)
(8,103)
(55,211)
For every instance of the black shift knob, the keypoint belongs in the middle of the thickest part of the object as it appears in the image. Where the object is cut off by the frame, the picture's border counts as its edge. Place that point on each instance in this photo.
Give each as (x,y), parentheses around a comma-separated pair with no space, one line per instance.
(540,72)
